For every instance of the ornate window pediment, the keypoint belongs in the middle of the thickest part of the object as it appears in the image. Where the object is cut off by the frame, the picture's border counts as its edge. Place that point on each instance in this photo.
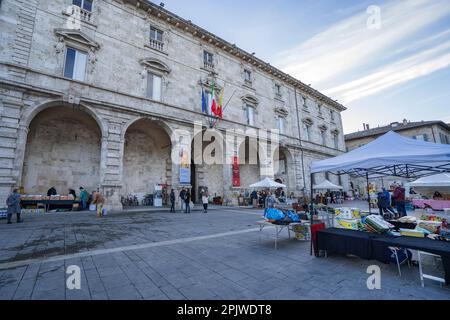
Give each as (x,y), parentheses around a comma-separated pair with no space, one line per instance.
(308,121)
(155,65)
(77,37)
(250,100)
(335,132)
(323,128)
(282,111)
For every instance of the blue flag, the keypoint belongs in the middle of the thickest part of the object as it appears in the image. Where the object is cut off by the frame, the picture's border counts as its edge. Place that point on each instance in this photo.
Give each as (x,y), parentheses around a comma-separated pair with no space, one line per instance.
(204,104)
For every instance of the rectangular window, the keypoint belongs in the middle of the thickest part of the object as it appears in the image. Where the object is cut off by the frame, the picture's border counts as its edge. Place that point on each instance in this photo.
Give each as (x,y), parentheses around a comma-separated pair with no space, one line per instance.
(247,75)
(278,89)
(332,115)
(444,138)
(324,137)
(154,86)
(319,107)
(156,34)
(250,115)
(307,131)
(336,141)
(281,125)
(83,4)
(208,58)
(75,65)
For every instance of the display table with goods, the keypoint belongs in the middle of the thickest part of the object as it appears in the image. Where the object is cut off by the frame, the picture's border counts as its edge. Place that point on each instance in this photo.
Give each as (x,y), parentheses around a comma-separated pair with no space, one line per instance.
(371,237)
(438,205)
(42,204)
(285,220)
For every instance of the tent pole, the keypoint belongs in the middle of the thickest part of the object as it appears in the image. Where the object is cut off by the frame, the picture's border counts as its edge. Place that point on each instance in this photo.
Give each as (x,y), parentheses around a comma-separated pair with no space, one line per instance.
(368,192)
(311,210)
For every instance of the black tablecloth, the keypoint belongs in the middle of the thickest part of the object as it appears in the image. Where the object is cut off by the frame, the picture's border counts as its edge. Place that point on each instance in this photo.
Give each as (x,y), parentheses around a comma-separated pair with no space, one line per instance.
(371,246)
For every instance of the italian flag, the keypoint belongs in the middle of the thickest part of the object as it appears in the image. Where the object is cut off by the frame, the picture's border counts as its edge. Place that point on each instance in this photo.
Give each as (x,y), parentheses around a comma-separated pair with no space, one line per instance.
(213,100)
(220,109)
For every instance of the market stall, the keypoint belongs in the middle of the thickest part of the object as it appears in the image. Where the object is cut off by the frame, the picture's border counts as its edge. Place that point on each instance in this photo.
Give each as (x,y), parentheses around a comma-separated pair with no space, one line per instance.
(42,204)
(389,155)
(426,189)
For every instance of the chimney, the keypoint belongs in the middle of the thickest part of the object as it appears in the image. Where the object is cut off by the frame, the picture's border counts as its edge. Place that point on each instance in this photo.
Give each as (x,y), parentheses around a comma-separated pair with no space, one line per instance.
(367,126)
(364,126)
(405,122)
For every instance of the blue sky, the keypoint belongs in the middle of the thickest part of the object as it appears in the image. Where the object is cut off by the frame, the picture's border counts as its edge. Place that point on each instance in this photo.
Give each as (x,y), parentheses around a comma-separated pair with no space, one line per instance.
(400,70)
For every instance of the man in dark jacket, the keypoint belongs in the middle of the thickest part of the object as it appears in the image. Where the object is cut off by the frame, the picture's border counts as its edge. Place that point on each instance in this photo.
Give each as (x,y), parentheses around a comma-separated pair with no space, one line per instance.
(172,201)
(399,198)
(51,192)
(13,203)
(187,201)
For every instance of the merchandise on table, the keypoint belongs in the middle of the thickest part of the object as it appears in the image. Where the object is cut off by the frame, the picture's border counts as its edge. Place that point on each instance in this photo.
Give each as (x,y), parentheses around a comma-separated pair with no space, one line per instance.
(426,217)
(378,224)
(347,213)
(351,224)
(3,213)
(412,233)
(431,226)
(301,232)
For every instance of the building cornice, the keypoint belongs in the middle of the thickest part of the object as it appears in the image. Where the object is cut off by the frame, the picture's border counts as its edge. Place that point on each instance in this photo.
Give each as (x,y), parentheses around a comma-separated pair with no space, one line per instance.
(158,12)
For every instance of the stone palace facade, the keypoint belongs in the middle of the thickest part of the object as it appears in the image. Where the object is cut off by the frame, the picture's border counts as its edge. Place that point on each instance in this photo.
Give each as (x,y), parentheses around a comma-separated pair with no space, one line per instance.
(91,92)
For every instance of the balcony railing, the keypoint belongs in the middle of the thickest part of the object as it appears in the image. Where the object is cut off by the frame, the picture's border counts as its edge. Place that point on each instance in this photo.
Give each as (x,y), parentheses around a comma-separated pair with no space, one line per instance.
(157,45)
(208,65)
(82,14)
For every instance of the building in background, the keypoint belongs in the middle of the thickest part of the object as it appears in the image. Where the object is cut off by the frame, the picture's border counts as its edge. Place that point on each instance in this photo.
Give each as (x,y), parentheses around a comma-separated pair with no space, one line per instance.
(92,91)
(431,131)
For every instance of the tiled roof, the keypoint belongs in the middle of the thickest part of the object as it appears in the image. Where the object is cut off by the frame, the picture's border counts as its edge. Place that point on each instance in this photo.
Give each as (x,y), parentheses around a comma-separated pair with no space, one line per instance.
(394,127)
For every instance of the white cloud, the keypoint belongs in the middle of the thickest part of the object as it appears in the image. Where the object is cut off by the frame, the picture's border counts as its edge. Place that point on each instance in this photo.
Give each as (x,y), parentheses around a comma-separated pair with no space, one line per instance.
(348,45)
(418,65)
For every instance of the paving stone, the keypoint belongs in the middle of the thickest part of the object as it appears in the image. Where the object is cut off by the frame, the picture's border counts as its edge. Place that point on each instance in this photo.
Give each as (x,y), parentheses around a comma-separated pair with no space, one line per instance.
(231,267)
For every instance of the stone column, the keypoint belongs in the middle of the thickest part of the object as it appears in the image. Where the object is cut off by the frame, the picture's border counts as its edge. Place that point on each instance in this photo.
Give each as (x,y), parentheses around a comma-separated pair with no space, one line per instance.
(111,168)
(13,139)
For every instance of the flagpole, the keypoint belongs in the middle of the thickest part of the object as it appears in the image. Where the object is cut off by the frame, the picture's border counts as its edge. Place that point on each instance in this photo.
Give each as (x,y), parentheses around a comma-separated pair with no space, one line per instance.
(217,119)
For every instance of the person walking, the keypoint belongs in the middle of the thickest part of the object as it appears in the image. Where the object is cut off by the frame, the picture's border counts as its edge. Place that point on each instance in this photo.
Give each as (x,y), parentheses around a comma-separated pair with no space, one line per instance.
(99,201)
(172,201)
(182,197)
(84,198)
(399,198)
(382,203)
(13,203)
(205,200)
(187,201)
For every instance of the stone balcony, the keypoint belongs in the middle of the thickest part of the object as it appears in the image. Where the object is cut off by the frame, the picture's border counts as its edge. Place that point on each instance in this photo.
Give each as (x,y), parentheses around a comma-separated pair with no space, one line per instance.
(156,45)
(82,14)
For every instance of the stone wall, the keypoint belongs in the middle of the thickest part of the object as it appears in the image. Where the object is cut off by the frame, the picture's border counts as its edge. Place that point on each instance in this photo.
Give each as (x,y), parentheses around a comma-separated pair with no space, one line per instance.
(63,150)
(146,152)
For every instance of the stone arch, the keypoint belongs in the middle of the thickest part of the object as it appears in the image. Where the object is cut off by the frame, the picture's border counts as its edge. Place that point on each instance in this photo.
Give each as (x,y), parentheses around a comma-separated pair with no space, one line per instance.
(156,121)
(146,160)
(29,115)
(207,163)
(63,148)
(284,168)
(252,157)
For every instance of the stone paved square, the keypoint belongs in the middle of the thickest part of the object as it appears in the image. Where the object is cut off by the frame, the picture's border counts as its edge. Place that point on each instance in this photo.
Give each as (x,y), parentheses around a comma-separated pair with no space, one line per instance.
(160,256)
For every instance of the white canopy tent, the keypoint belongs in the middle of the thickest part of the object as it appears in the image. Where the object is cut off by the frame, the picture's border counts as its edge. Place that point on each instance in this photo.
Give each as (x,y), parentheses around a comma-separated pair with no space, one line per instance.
(430,184)
(437,180)
(267,183)
(327,185)
(390,155)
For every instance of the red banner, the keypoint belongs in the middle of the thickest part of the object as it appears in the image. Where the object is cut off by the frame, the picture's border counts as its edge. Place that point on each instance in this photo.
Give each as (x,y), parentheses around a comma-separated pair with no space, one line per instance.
(236,176)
